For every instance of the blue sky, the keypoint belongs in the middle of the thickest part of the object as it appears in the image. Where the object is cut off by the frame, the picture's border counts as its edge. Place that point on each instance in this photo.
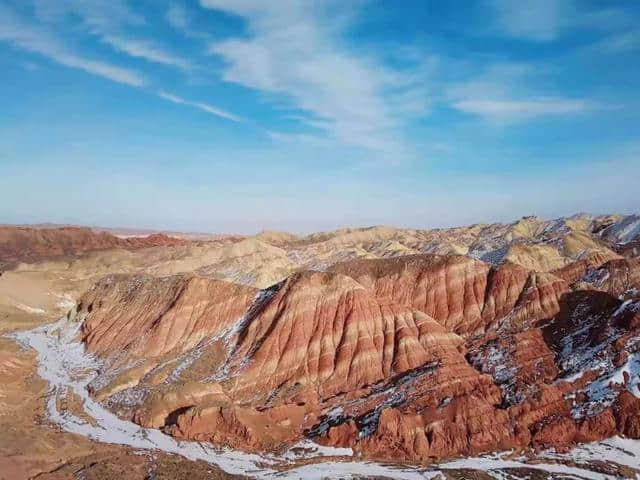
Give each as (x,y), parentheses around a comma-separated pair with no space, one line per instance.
(239,115)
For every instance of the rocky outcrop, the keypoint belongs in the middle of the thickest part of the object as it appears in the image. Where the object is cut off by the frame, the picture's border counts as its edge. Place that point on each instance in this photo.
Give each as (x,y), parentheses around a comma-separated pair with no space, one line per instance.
(617,276)
(624,230)
(572,381)
(148,317)
(418,358)
(241,428)
(464,295)
(326,332)
(24,244)
(575,271)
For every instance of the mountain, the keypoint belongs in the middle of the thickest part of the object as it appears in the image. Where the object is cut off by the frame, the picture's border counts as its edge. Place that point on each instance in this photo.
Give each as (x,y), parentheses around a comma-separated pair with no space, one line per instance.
(409,357)
(402,345)
(26,244)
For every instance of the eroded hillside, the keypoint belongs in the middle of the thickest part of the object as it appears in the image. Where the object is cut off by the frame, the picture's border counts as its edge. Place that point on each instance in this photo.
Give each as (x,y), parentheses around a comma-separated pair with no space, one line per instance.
(410,345)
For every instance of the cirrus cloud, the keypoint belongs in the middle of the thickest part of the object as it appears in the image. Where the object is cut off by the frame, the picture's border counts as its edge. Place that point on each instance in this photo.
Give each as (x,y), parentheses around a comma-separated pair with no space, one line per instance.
(293,51)
(205,107)
(37,40)
(516,110)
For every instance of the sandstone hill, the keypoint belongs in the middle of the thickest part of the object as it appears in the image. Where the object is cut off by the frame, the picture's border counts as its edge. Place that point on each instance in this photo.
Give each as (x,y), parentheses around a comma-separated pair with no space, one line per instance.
(25,244)
(411,345)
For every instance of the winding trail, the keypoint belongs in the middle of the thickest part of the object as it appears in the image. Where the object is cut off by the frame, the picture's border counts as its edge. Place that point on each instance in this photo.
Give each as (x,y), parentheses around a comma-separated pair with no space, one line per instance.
(64,364)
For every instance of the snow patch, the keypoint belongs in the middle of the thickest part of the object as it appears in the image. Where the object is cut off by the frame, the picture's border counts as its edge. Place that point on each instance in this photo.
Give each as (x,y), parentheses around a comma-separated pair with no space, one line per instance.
(495,361)
(624,231)
(28,309)
(66,302)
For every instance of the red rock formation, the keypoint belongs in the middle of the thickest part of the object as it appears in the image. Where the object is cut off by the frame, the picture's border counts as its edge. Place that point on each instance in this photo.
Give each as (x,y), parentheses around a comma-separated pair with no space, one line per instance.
(614,276)
(627,414)
(242,428)
(463,294)
(24,244)
(518,363)
(327,332)
(368,356)
(147,316)
(574,271)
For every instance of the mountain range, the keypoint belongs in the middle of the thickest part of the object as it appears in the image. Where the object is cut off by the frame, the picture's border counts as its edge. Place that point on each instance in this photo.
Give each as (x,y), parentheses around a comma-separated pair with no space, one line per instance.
(398,345)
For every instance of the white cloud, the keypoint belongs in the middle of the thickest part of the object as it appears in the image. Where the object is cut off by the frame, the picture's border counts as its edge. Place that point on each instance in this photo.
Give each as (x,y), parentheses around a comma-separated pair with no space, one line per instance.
(539,20)
(200,106)
(145,49)
(180,18)
(294,51)
(35,39)
(618,43)
(98,16)
(298,138)
(517,110)
(176,16)
(546,20)
(108,19)
(501,95)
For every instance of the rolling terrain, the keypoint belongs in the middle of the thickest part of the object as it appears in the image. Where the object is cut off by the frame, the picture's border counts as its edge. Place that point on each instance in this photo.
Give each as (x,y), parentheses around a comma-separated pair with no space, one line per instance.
(433,350)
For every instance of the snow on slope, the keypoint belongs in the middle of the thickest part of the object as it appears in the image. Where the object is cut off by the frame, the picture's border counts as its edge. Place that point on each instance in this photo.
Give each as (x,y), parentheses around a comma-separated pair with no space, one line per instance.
(64,363)
(623,231)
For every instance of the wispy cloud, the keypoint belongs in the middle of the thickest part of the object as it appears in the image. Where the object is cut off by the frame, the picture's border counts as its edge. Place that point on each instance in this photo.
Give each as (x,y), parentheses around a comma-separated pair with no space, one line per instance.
(294,51)
(547,20)
(540,20)
(97,16)
(617,43)
(145,49)
(176,16)
(182,19)
(205,107)
(501,95)
(108,20)
(298,138)
(518,110)
(34,39)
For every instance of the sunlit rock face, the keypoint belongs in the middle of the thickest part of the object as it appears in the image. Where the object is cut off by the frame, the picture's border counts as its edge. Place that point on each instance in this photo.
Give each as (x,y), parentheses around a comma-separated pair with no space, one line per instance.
(464,295)
(148,317)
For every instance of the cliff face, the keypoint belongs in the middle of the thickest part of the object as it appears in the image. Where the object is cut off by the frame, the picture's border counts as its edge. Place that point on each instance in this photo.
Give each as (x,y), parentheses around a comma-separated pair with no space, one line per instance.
(418,357)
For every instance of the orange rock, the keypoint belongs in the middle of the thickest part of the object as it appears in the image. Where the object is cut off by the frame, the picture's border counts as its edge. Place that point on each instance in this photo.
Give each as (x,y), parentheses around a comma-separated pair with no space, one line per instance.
(147,316)
(464,295)
(327,332)
(627,413)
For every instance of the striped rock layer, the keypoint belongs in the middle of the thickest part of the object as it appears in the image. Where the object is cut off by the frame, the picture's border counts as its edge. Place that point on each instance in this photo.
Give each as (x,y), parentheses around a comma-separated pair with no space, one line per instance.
(418,358)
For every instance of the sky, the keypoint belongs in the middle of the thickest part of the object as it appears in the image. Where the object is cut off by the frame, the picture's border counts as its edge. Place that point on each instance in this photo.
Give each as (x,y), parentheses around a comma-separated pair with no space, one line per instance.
(300,115)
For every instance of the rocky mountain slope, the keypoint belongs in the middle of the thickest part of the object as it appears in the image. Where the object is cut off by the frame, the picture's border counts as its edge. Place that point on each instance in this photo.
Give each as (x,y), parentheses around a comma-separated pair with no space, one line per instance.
(410,345)
(26,244)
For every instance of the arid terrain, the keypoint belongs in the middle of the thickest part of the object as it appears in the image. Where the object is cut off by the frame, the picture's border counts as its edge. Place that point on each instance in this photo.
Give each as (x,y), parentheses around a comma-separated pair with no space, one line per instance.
(505,351)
